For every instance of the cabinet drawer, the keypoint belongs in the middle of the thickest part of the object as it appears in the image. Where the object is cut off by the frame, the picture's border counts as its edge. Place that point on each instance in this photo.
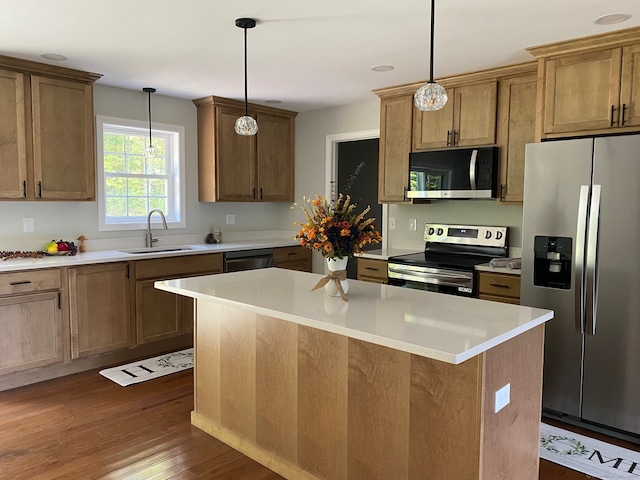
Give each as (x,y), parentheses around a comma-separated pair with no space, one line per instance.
(290,254)
(174,266)
(503,285)
(371,268)
(30,281)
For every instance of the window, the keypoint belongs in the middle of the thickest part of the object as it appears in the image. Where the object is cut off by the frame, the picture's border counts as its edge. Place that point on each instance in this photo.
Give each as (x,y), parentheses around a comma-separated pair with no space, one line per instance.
(130,184)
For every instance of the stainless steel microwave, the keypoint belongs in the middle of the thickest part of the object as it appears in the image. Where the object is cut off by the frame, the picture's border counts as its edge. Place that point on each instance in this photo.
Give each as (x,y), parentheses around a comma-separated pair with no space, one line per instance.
(456,173)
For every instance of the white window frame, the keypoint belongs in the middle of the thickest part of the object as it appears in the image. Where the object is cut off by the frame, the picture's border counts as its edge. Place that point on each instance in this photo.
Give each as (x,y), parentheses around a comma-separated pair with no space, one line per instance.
(176,217)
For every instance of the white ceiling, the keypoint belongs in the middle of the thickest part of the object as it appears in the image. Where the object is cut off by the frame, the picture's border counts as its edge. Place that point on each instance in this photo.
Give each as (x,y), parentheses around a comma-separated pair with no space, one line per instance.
(307,54)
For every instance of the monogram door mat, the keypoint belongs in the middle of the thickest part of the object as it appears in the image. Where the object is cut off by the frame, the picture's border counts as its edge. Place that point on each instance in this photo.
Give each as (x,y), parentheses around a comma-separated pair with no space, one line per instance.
(150,368)
(588,455)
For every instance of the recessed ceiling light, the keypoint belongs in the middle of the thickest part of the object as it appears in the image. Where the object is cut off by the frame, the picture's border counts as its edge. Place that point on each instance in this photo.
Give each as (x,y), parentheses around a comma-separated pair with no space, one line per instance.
(273,101)
(612,18)
(54,56)
(382,68)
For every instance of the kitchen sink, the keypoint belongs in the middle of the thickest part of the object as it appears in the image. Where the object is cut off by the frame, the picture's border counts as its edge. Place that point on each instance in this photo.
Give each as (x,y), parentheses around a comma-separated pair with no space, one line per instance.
(139,251)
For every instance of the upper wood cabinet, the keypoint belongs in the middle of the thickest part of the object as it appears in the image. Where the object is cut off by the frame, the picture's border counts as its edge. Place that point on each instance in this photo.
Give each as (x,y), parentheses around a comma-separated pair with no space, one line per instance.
(589,85)
(468,119)
(516,128)
(46,132)
(395,146)
(235,168)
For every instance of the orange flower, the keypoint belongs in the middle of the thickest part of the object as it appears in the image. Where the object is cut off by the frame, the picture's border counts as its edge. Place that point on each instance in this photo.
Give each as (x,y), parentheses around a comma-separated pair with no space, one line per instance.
(345,232)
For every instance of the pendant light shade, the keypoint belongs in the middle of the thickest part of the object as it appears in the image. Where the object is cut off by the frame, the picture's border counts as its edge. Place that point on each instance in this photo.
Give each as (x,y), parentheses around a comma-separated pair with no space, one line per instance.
(246,125)
(149,150)
(431,96)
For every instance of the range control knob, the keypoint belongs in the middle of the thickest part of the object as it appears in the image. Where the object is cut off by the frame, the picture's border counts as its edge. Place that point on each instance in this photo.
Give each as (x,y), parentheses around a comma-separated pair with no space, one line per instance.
(487,234)
(440,231)
(431,231)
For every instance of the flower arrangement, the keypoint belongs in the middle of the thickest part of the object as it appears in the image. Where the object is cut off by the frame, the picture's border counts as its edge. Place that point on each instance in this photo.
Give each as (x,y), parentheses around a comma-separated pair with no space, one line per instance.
(335,230)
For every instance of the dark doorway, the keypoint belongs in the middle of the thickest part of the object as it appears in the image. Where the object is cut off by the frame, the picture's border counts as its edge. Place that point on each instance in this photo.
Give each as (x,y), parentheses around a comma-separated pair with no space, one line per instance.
(357,172)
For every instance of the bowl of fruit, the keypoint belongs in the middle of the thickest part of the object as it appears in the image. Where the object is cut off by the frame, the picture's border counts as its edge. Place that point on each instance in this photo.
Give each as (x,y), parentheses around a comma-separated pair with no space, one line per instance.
(60,247)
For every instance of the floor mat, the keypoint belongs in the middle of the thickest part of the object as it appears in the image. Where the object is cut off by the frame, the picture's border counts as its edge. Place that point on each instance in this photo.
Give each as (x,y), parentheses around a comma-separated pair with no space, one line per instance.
(588,455)
(150,368)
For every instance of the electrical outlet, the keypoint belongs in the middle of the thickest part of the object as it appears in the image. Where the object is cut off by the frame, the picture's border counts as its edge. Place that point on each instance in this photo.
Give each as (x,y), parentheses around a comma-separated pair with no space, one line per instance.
(28,225)
(412,225)
(503,397)
(392,223)
(231,219)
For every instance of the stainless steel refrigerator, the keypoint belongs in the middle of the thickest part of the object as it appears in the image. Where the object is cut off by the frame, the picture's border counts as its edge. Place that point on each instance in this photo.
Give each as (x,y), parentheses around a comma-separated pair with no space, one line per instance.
(581,258)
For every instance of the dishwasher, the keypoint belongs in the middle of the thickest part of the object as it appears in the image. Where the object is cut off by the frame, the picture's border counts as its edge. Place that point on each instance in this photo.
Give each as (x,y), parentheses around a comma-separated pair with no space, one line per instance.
(247,259)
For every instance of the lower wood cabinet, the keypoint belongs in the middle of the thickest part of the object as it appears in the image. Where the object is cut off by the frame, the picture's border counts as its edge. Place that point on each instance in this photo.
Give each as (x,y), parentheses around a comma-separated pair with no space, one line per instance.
(99,309)
(31,320)
(372,270)
(293,258)
(161,315)
(499,287)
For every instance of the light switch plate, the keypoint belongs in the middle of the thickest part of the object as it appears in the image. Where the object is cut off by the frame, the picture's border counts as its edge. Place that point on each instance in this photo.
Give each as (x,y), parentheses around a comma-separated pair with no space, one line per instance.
(412,225)
(503,397)
(392,223)
(231,219)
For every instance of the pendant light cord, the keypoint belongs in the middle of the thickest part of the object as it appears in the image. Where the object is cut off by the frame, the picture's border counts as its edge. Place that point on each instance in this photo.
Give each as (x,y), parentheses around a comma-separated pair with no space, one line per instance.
(150,137)
(433,15)
(246,105)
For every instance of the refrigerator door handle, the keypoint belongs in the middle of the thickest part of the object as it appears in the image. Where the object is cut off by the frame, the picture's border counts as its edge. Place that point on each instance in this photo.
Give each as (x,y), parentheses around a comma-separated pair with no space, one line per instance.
(592,262)
(579,259)
(472,169)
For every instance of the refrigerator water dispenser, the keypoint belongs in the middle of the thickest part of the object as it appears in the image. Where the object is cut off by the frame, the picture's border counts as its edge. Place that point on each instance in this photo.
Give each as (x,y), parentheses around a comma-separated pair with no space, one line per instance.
(552,262)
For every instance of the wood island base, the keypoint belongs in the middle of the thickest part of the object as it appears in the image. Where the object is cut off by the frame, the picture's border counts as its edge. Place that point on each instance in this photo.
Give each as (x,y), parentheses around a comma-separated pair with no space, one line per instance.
(310,404)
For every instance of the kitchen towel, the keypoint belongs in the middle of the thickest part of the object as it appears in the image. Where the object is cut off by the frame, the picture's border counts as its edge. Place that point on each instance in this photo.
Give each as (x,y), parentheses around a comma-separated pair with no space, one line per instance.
(512,263)
(155,367)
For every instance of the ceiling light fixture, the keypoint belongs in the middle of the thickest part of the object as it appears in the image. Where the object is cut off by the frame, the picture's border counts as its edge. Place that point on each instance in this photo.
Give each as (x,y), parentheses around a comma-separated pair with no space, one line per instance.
(612,18)
(246,125)
(431,96)
(56,57)
(382,68)
(150,150)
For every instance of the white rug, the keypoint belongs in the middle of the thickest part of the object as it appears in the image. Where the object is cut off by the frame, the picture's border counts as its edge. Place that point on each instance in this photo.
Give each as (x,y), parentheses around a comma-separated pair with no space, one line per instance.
(587,455)
(144,370)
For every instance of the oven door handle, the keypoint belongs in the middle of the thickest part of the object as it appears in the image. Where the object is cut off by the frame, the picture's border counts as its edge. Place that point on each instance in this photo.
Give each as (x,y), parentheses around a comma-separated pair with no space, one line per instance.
(430,276)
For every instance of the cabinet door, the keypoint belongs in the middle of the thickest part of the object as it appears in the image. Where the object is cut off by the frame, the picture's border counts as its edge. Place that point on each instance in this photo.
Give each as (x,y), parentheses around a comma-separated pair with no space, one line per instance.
(395,146)
(475,109)
(13,155)
(630,87)
(99,307)
(372,270)
(516,126)
(234,158)
(63,139)
(275,159)
(158,313)
(434,129)
(31,327)
(582,91)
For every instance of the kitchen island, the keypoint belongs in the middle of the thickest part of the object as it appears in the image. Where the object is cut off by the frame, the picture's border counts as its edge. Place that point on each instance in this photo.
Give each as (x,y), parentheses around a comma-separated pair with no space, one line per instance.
(394,384)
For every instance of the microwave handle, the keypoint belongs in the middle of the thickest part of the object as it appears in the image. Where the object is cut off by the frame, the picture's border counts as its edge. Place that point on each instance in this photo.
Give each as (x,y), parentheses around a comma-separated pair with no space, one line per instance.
(472,169)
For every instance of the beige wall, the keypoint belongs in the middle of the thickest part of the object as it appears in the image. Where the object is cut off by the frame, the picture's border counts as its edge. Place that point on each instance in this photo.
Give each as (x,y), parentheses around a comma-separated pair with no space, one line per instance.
(67,220)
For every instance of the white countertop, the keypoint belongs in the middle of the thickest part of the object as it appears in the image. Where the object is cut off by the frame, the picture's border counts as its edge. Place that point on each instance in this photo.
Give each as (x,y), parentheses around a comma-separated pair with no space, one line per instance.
(105,256)
(384,254)
(448,328)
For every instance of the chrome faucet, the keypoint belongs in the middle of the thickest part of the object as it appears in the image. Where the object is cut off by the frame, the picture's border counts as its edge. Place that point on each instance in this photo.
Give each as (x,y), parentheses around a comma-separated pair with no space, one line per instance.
(150,239)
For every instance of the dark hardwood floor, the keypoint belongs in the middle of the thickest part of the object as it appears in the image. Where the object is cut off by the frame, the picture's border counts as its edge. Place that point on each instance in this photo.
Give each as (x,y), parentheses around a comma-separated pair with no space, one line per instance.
(86,427)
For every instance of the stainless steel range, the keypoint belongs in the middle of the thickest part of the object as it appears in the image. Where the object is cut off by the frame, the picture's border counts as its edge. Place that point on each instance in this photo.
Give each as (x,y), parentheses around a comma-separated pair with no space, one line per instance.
(448,262)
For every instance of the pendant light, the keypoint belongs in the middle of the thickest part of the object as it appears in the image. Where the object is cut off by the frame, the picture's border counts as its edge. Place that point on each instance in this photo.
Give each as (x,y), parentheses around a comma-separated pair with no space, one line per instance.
(246,125)
(150,150)
(431,96)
